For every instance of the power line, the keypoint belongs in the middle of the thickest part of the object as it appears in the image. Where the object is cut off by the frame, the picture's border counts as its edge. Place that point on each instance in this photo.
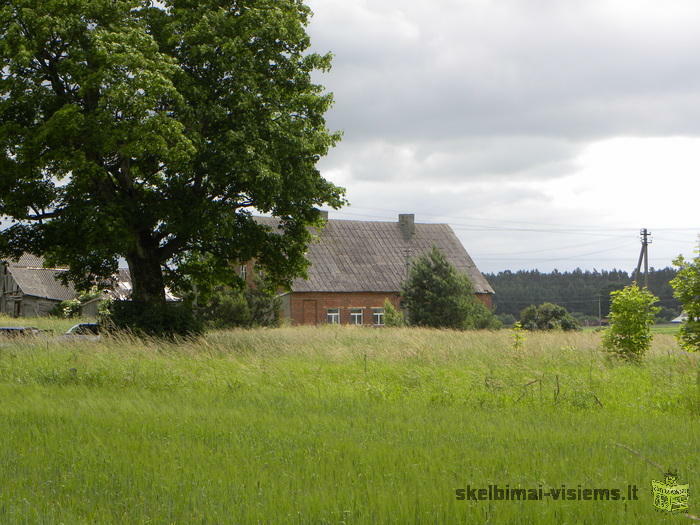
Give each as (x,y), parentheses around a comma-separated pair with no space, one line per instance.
(492,220)
(569,258)
(577,245)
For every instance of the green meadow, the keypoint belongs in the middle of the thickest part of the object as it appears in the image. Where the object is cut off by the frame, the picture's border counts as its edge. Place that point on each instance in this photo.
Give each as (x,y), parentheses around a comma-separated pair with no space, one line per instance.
(340,425)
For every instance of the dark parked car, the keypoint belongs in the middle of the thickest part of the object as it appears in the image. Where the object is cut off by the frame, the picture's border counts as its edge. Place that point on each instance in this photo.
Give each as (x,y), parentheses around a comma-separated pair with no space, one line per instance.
(90,331)
(84,329)
(18,331)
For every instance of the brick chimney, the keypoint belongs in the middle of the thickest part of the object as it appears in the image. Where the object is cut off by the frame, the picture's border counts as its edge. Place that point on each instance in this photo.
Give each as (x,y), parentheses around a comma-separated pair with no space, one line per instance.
(407,223)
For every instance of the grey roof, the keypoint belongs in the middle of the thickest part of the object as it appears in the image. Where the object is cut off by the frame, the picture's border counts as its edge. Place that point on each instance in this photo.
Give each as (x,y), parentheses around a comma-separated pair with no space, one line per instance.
(42,282)
(27,260)
(370,256)
(33,279)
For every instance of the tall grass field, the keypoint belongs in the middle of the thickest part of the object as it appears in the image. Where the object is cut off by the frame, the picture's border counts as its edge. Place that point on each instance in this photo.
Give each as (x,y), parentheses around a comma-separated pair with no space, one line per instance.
(341,425)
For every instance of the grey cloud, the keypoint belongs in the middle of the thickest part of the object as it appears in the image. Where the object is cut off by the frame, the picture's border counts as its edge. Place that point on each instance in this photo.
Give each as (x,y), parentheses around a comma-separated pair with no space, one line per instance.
(470,158)
(485,68)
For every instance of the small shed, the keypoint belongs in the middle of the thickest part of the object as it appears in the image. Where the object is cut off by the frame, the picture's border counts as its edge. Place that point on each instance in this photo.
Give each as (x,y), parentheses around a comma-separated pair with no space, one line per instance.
(27,289)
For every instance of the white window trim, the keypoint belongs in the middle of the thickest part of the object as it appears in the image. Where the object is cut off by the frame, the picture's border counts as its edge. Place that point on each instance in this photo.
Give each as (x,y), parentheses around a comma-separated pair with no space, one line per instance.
(378,312)
(354,312)
(333,317)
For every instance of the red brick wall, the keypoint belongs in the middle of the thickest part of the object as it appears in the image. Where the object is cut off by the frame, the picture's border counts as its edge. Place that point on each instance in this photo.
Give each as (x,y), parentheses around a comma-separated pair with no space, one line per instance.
(486,298)
(345,301)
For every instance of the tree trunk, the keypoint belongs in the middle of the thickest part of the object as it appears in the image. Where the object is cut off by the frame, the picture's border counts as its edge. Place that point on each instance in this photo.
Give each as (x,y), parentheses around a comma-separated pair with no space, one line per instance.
(146,276)
(146,280)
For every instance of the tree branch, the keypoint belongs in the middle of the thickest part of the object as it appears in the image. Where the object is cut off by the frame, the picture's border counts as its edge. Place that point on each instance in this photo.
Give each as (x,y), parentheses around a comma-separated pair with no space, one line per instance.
(171,248)
(44,215)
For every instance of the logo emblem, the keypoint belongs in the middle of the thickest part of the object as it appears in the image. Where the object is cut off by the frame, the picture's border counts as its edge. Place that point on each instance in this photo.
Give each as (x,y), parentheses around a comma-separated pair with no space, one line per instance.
(670,496)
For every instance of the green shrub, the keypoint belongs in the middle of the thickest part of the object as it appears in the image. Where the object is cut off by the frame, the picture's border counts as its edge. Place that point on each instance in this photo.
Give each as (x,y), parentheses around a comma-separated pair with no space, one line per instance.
(229,307)
(632,315)
(72,307)
(226,308)
(547,316)
(506,319)
(481,318)
(392,316)
(264,307)
(518,337)
(157,320)
(66,309)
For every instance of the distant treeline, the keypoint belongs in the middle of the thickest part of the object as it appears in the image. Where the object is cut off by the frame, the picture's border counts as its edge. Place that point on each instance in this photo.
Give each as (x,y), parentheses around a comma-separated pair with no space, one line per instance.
(578,291)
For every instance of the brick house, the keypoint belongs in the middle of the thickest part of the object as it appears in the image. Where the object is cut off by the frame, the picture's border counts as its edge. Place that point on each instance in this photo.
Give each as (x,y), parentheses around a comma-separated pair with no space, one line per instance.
(356,265)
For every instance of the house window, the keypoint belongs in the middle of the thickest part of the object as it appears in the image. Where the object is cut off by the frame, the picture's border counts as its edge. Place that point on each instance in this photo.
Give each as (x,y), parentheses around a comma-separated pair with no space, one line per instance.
(242,271)
(333,316)
(355,315)
(378,316)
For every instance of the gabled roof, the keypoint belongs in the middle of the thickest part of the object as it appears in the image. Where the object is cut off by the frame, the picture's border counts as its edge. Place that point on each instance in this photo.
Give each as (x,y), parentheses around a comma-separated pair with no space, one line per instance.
(370,256)
(27,260)
(42,282)
(35,280)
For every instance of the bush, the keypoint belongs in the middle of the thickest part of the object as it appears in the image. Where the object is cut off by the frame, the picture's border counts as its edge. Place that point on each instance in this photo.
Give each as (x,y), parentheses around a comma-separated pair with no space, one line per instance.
(264,307)
(547,316)
(392,316)
(632,315)
(72,307)
(506,319)
(157,320)
(481,318)
(66,309)
(666,314)
(229,307)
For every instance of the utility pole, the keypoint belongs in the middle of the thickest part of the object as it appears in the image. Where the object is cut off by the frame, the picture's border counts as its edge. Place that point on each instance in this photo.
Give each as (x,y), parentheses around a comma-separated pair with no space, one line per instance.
(643,255)
(407,252)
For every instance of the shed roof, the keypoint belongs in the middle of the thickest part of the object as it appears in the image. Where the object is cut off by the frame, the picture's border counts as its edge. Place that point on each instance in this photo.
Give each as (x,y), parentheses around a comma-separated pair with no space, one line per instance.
(372,256)
(27,260)
(42,282)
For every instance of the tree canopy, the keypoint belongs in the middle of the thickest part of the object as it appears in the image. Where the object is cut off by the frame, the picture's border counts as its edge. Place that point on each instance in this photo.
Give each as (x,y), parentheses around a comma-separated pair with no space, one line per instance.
(437,295)
(686,286)
(152,130)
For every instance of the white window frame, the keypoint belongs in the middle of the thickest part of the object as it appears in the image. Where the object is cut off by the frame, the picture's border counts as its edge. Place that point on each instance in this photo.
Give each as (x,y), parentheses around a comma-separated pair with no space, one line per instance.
(333,315)
(378,316)
(354,313)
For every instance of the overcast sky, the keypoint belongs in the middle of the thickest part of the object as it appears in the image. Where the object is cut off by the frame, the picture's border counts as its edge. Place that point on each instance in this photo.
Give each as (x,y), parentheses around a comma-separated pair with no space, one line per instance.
(547,133)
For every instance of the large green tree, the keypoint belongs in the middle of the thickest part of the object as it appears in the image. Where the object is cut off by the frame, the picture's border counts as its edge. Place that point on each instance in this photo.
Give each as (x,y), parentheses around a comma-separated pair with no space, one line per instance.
(437,295)
(150,131)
